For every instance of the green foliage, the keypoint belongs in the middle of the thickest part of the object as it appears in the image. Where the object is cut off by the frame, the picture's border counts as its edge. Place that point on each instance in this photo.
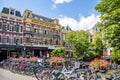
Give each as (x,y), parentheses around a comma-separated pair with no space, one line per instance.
(80,42)
(110,21)
(28,53)
(60,52)
(115,55)
(91,55)
(97,43)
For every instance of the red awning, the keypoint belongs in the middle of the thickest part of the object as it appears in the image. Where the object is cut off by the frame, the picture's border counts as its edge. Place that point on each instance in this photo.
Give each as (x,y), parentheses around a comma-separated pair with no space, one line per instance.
(36,48)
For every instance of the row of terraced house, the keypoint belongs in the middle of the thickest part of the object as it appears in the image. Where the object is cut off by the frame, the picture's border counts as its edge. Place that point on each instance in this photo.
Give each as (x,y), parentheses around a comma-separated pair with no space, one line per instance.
(29,32)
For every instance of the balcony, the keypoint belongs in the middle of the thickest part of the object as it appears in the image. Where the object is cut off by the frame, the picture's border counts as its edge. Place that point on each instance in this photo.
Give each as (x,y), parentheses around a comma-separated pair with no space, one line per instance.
(36,33)
(28,32)
(56,36)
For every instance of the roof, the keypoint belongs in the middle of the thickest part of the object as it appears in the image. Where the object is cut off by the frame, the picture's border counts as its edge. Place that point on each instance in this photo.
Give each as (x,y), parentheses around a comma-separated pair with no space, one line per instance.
(6,11)
(43,18)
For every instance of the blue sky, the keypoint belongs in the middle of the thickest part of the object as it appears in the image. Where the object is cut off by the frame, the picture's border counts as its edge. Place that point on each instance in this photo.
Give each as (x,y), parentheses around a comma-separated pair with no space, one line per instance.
(78,14)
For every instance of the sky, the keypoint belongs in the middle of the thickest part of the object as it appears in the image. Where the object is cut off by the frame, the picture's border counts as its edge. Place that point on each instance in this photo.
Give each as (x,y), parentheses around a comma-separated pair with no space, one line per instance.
(78,14)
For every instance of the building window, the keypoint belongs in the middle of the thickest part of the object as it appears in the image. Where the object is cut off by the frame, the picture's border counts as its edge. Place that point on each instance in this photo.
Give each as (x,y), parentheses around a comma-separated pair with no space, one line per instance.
(4,39)
(12,12)
(50,41)
(17,28)
(41,30)
(28,15)
(56,42)
(45,32)
(11,27)
(11,40)
(45,41)
(28,39)
(18,41)
(4,27)
(56,32)
(51,33)
(41,41)
(35,40)
(35,30)
(27,28)
(64,37)
(35,17)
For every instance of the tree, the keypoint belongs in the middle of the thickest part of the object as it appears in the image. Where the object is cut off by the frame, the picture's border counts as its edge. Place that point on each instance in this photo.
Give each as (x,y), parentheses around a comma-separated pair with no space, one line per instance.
(110,21)
(97,43)
(116,55)
(60,52)
(80,42)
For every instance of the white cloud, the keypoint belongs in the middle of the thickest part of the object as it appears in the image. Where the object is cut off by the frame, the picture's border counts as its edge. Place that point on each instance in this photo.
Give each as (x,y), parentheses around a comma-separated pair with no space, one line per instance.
(84,22)
(61,1)
(54,6)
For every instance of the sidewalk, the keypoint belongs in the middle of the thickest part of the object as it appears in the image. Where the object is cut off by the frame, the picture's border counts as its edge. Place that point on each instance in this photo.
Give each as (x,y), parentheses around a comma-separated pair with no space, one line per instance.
(7,75)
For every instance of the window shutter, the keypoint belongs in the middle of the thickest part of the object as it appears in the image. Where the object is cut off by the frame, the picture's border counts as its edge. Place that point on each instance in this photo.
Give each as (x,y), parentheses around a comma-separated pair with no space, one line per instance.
(8,26)
(14,39)
(0,25)
(7,39)
(0,38)
(21,29)
(14,27)
(21,40)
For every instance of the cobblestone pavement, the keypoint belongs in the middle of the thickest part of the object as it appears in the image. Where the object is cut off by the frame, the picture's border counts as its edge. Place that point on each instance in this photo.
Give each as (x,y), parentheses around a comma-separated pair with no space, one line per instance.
(7,75)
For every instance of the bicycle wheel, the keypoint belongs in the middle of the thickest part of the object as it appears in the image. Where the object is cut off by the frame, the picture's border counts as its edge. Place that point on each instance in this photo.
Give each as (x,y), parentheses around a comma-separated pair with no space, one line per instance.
(37,73)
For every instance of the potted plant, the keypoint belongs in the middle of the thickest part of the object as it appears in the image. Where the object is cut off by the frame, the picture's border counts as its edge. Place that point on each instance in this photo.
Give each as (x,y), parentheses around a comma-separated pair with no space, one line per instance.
(99,64)
(28,54)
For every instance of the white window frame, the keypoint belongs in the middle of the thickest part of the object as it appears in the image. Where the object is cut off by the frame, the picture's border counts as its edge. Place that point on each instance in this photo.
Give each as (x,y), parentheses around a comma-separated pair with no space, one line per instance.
(4,39)
(27,28)
(11,40)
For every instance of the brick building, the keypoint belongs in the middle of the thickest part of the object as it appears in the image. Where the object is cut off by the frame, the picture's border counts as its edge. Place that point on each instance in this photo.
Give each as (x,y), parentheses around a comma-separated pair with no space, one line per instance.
(11,32)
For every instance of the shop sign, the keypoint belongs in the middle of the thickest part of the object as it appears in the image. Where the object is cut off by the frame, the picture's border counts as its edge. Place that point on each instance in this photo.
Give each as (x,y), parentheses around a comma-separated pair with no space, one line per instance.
(3,48)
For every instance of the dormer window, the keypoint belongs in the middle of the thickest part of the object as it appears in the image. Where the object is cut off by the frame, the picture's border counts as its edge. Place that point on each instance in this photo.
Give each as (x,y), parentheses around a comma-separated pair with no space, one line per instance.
(28,15)
(12,12)
(41,19)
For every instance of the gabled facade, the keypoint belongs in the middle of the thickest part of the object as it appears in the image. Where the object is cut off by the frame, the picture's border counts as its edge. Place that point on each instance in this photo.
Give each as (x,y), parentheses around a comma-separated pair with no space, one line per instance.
(11,31)
(41,34)
(28,33)
(92,32)
(65,30)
